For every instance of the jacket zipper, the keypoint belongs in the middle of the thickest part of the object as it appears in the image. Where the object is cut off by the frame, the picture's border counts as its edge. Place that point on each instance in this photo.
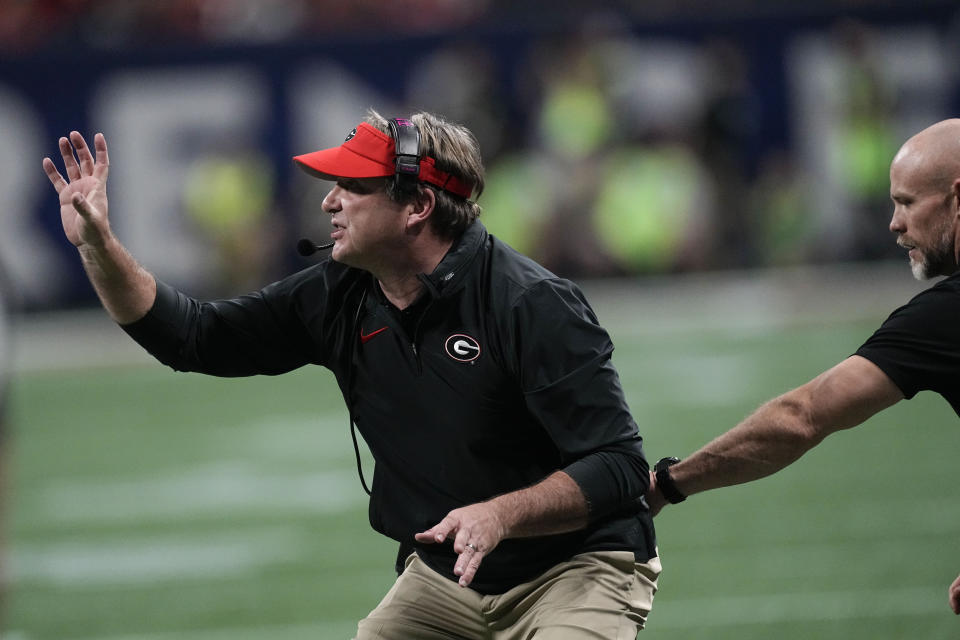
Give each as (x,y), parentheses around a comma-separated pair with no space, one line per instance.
(416,337)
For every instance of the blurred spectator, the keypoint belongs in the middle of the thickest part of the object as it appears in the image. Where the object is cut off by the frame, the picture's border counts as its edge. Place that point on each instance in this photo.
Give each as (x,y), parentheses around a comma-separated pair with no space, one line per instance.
(627,193)
(725,136)
(779,212)
(229,195)
(654,208)
(868,138)
(517,202)
(571,130)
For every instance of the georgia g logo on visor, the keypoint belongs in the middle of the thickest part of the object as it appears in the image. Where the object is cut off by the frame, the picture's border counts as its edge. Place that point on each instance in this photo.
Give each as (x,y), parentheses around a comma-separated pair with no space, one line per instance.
(462,347)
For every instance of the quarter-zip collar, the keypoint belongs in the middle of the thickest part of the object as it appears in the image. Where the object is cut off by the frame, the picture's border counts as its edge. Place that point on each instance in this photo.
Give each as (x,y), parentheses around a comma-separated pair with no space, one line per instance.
(449,275)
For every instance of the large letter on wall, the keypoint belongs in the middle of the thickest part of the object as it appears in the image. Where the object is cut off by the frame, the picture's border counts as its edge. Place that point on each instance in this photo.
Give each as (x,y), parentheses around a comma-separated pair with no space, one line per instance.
(35,268)
(157,124)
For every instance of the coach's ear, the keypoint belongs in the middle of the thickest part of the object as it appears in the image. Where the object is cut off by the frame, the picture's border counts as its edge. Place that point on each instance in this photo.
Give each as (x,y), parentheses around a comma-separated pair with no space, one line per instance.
(420,209)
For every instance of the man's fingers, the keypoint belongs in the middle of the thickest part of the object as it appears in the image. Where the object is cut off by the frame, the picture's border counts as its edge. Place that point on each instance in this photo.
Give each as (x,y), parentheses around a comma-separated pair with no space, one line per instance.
(469,569)
(471,553)
(438,532)
(464,541)
(69,162)
(424,536)
(55,178)
(83,153)
(102,166)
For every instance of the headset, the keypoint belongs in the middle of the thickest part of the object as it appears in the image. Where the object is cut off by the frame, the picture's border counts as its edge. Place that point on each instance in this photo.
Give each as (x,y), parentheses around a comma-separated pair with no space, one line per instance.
(406,136)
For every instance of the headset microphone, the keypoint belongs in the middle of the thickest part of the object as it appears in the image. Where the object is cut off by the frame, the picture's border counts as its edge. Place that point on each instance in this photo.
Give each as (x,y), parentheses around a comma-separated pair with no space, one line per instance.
(307,247)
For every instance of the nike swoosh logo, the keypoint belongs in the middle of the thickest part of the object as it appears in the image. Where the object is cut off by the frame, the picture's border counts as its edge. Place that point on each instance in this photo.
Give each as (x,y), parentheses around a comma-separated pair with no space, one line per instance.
(364,338)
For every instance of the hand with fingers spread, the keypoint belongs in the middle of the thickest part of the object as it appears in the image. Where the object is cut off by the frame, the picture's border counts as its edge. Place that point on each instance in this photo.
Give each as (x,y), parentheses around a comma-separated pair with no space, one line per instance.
(126,289)
(83,194)
(476,530)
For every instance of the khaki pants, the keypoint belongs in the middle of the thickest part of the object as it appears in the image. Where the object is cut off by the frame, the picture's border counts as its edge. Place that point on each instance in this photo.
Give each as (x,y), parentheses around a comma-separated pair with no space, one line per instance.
(602,595)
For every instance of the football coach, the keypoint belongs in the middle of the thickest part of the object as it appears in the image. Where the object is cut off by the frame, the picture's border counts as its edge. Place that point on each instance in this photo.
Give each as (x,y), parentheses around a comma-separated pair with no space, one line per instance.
(507,465)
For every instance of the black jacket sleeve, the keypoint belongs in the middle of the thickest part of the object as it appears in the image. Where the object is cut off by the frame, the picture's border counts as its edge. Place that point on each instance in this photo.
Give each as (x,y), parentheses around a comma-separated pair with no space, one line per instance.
(572,388)
(259,333)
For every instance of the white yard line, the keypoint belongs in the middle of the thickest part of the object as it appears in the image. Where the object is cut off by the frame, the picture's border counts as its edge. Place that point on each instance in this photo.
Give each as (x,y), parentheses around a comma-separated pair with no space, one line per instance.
(218,489)
(147,560)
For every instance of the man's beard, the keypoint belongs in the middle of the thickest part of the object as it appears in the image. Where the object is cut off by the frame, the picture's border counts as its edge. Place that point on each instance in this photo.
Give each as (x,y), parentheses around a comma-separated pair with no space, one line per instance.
(938,260)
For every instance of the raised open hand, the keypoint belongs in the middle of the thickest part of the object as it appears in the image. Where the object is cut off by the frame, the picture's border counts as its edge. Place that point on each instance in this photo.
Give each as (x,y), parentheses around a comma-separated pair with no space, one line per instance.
(83,194)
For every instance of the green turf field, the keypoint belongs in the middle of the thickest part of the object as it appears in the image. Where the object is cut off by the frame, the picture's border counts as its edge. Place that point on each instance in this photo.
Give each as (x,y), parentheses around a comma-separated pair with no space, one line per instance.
(150,505)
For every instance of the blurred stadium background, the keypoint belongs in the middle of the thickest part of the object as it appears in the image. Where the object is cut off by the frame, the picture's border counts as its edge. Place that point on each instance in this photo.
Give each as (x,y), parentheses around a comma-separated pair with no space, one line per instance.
(714,174)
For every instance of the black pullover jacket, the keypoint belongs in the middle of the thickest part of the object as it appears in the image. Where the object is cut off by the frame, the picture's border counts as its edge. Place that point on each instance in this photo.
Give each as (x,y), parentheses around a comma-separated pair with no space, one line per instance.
(498,376)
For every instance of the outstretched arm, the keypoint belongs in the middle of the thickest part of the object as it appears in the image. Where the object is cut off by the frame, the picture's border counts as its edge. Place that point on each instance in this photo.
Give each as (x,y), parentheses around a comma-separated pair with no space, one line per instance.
(126,289)
(785,428)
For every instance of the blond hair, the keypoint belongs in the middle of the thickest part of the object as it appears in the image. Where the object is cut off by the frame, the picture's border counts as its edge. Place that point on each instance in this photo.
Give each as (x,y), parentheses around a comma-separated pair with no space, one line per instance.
(456,151)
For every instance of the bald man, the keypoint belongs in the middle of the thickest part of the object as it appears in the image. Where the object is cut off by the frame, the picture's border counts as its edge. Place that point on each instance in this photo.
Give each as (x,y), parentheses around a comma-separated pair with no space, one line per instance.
(917,348)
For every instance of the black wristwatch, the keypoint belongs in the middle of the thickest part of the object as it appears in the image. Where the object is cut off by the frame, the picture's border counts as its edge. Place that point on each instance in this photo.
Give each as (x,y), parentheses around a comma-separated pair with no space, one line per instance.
(665,482)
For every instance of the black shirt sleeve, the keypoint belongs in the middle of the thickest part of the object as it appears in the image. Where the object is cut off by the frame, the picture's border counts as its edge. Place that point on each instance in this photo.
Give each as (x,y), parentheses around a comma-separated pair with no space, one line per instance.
(572,388)
(918,346)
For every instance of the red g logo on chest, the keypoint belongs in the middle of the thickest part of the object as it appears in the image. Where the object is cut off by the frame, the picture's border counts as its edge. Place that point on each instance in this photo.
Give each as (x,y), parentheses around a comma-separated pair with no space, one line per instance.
(462,347)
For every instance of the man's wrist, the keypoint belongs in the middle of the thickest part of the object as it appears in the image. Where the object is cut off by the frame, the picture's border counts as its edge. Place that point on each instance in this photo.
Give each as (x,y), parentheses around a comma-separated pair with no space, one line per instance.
(665,481)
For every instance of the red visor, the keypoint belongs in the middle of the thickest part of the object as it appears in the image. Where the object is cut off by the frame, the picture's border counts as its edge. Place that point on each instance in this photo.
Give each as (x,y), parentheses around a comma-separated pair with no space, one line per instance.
(369,153)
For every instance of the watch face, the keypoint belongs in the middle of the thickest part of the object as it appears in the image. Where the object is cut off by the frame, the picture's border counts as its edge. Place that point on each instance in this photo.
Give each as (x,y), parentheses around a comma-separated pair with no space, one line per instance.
(663,463)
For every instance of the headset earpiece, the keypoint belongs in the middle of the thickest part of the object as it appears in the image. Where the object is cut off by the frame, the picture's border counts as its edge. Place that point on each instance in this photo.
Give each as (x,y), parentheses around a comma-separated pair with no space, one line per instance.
(406,137)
